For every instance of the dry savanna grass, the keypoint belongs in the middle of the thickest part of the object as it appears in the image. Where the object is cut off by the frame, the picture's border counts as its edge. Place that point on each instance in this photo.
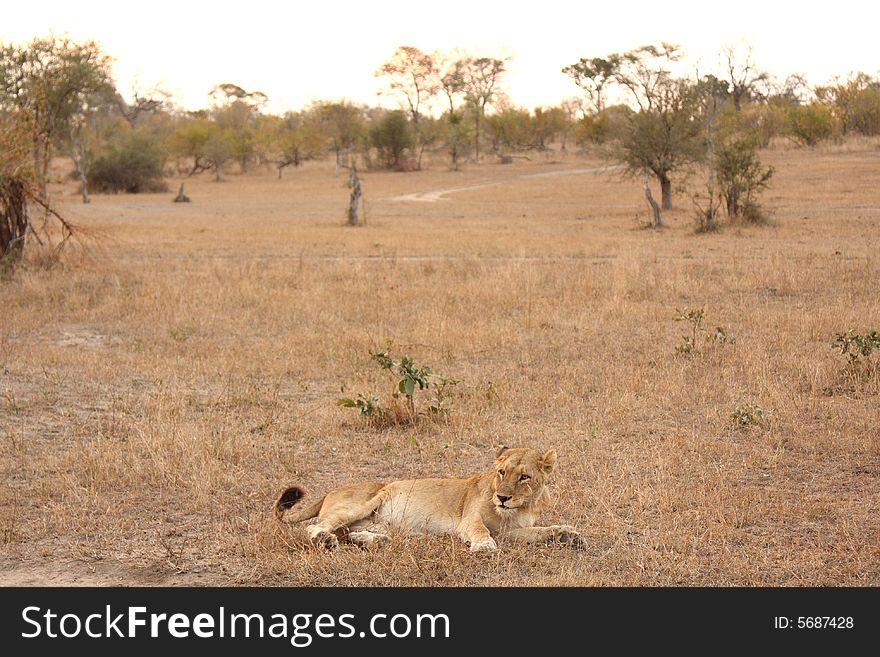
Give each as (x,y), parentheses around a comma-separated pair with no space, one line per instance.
(157,395)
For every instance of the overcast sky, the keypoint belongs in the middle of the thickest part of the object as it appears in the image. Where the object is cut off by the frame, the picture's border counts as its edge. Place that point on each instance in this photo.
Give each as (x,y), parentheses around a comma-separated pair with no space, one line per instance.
(296,51)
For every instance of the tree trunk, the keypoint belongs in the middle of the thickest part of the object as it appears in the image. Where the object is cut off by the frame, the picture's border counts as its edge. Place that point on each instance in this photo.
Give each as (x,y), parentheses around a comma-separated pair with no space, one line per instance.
(13,219)
(658,220)
(712,182)
(732,202)
(355,200)
(41,168)
(477,135)
(84,183)
(666,192)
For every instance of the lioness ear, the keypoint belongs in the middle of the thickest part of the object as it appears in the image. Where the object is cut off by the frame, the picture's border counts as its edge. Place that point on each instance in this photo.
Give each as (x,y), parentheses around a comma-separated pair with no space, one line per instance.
(548,461)
(499,451)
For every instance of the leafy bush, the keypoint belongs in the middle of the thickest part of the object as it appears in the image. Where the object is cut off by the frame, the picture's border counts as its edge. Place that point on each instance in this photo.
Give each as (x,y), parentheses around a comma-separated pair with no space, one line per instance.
(392,137)
(811,124)
(131,163)
(858,348)
(741,176)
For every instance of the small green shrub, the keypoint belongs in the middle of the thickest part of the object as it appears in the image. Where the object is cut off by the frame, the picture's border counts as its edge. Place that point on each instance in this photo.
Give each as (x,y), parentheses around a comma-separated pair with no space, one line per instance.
(722,337)
(409,379)
(748,416)
(689,343)
(694,317)
(859,349)
(367,404)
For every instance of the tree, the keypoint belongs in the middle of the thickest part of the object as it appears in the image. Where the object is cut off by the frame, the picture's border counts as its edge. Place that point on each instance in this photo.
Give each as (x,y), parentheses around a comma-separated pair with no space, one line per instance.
(47,82)
(548,123)
(142,103)
(344,123)
(855,103)
(511,129)
(207,144)
(745,80)
(593,75)
(711,93)
(297,137)
(412,75)
(458,136)
(235,111)
(662,137)
(16,176)
(479,79)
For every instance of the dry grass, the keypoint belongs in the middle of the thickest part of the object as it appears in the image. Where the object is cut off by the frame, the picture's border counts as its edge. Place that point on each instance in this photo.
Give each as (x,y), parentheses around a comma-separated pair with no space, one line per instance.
(154,401)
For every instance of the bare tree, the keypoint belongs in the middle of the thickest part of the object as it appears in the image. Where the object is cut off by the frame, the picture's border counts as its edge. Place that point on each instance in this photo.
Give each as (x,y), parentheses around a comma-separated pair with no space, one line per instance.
(142,102)
(745,80)
(450,77)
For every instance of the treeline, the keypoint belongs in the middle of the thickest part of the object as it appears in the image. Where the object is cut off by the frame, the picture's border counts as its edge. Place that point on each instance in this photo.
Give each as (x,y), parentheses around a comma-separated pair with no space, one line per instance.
(59,98)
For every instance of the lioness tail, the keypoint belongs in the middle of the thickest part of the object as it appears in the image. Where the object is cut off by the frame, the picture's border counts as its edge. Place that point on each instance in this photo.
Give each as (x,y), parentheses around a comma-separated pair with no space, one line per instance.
(291,496)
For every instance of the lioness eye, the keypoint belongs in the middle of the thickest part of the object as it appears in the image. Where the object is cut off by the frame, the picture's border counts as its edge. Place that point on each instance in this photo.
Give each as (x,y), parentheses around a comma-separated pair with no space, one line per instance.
(501,473)
(525,478)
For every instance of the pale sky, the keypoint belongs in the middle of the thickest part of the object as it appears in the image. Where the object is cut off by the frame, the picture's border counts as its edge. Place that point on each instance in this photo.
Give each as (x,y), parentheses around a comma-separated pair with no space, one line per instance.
(296,51)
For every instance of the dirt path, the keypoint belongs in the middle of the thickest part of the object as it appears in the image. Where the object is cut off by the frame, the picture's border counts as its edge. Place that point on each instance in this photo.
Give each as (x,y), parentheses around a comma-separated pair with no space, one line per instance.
(439,194)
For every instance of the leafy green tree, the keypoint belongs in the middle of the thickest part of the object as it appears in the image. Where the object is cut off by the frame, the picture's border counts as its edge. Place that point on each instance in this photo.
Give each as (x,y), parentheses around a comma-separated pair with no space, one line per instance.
(297,137)
(46,83)
(662,137)
(548,124)
(236,112)
(205,143)
(511,128)
(458,136)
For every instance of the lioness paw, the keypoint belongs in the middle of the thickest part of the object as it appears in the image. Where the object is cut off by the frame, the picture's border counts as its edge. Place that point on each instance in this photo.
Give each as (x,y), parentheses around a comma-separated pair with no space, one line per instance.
(569,535)
(324,539)
(486,545)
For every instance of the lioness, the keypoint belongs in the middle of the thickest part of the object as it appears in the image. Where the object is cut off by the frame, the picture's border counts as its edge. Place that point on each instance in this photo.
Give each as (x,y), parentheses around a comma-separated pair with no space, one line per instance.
(503,503)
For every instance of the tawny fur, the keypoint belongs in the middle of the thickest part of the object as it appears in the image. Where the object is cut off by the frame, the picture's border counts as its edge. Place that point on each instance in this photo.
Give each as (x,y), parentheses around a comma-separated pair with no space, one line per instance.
(502,503)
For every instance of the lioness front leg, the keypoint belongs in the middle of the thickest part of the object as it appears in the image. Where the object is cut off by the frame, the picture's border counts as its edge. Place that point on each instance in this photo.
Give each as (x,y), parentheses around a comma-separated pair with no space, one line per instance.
(474,532)
(558,533)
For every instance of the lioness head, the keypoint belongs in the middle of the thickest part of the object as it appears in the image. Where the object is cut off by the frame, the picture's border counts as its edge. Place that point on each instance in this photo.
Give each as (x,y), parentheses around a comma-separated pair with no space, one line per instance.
(520,478)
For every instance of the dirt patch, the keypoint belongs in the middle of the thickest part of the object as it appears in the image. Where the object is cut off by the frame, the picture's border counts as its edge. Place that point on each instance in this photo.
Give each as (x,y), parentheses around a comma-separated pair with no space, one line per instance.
(80,573)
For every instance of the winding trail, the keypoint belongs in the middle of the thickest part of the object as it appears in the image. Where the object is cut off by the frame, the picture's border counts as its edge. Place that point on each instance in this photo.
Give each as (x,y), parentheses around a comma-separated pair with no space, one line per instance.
(439,194)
